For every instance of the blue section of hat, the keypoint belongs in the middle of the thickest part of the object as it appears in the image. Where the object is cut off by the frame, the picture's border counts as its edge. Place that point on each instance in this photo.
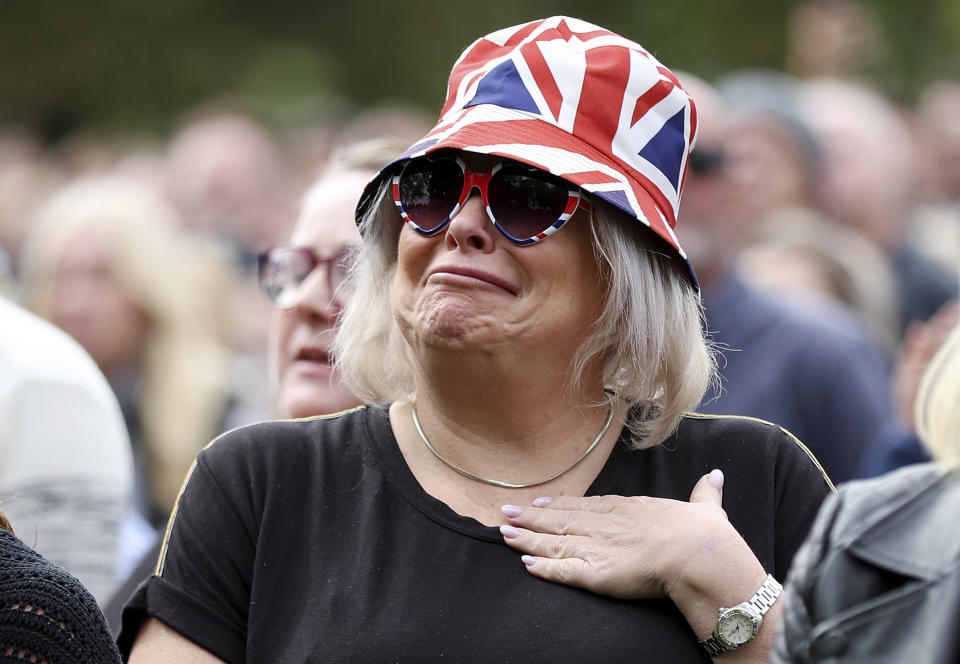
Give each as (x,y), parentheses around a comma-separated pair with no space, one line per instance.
(665,150)
(616,197)
(502,86)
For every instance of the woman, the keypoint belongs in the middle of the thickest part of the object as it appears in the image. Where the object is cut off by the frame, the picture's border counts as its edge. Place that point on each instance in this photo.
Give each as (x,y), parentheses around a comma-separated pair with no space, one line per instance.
(304,280)
(540,346)
(878,580)
(47,616)
(107,261)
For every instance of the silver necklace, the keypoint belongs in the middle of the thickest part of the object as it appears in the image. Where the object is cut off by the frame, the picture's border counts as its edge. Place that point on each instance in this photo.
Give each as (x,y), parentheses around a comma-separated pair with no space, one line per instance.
(509,485)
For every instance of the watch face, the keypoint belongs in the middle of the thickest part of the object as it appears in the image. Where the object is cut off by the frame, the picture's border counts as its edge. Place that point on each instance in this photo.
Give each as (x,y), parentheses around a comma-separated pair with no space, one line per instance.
(737,627)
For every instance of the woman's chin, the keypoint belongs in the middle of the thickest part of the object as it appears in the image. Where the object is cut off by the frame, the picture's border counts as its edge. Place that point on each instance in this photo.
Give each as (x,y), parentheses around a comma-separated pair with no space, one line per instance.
(452,322)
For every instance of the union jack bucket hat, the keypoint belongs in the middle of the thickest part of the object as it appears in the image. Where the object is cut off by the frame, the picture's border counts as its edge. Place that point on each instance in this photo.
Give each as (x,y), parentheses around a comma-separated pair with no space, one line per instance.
(578,101)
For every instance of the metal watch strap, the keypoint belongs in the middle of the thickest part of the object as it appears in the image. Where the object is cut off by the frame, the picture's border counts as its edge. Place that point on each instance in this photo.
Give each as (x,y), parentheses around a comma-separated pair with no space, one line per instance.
(759,604)
(765,597)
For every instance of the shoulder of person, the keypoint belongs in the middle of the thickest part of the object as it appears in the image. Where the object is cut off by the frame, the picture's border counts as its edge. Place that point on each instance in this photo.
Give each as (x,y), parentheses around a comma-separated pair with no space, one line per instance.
(913,503)
(291,438)
(742,429)
(27,578)
(752,437)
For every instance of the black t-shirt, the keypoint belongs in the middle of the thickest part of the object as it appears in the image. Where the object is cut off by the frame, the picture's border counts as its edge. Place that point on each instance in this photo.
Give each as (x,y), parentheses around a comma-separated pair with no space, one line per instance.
(311,541)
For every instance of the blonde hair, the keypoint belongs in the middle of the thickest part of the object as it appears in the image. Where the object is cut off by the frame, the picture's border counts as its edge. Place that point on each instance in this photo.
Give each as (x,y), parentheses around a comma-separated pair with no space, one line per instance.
(936,409)
(183,370)
(649,334)
(5,522)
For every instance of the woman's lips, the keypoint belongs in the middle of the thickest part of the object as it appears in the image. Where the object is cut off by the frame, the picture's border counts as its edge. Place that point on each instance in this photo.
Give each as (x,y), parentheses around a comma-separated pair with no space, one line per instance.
(313,361)
(462,274)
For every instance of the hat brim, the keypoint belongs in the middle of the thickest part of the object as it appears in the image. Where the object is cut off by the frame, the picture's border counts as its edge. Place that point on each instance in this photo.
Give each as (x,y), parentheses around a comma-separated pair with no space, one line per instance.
(518,136)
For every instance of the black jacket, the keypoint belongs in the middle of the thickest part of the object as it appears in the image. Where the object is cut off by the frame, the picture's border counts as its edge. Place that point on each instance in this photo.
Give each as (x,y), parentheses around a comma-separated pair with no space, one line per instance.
(878,579)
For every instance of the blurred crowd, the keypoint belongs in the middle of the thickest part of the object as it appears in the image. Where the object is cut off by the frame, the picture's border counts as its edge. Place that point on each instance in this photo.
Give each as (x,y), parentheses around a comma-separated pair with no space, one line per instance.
(146,255)
(836,209)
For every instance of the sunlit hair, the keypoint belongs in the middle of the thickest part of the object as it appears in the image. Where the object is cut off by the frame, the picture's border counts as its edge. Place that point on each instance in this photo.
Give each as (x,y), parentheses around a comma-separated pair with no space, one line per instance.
(5,522)
(184,370)
(649,334)
(936,410)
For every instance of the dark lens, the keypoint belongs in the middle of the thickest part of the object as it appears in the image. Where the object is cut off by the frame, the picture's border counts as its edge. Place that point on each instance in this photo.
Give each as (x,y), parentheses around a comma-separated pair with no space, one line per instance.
(526,201)
(706,161)
(429,190)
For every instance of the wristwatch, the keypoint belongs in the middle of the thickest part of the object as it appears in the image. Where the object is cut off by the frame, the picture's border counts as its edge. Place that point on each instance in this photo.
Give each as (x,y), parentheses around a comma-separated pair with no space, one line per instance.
(737,626)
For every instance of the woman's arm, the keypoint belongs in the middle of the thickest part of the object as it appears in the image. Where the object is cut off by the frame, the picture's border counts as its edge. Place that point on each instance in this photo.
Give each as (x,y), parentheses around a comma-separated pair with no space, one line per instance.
(158,644)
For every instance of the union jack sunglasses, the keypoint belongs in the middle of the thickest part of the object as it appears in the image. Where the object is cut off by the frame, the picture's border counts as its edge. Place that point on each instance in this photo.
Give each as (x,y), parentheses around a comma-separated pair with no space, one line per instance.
(524,203)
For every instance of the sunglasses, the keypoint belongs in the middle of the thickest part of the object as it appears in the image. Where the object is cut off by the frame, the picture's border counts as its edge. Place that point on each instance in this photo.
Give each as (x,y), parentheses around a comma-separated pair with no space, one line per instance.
(706,161)
(525,204)
(282,270)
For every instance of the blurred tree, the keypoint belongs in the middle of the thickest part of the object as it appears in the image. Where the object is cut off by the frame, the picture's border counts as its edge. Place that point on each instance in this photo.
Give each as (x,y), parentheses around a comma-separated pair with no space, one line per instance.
(135,66)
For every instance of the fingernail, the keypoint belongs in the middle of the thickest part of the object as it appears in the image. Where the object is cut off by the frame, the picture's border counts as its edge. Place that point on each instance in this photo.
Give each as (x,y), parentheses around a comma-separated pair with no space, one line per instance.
(528,560)
(541,502)
(511,510)
(509,532)
(716,479)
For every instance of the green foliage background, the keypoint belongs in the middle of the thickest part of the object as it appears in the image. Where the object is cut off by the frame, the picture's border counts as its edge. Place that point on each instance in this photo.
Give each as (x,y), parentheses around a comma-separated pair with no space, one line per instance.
(134,66)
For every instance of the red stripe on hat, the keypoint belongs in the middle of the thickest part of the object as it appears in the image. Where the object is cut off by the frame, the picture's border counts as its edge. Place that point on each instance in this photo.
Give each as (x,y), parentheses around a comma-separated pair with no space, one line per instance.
(543,76)
(523,33)
(564,31)
(593,177)
(606,77)
(669,74)
(657,226)
(652,215)
(657,93)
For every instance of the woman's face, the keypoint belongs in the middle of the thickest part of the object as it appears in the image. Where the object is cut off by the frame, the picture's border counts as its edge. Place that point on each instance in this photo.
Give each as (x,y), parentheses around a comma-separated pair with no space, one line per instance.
(300,337)
(90,303)
(468,287)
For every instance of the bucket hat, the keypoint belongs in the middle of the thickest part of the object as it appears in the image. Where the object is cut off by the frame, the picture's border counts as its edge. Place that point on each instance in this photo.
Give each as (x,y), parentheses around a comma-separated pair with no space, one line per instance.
(579,101)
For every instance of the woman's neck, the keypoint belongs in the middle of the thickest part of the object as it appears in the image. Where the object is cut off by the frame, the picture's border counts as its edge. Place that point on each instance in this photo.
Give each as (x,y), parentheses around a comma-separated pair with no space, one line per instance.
(504,420)
(513,402)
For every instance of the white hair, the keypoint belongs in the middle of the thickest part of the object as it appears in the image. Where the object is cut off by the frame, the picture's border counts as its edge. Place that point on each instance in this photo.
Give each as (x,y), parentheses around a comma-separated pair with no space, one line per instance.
(649,333)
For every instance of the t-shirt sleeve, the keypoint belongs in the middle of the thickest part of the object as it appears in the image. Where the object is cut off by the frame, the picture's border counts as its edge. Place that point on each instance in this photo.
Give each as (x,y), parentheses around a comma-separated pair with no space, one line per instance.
(802,486)
(202,584)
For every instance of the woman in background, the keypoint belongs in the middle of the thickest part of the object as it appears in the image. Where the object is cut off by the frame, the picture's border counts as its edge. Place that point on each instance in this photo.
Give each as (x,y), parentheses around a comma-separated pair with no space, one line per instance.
(305,282)
(108,262)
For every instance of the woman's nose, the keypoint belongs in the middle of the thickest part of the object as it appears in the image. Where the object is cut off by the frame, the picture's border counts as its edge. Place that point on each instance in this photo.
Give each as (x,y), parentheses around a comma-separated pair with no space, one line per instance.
(314,297)
(470,227)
